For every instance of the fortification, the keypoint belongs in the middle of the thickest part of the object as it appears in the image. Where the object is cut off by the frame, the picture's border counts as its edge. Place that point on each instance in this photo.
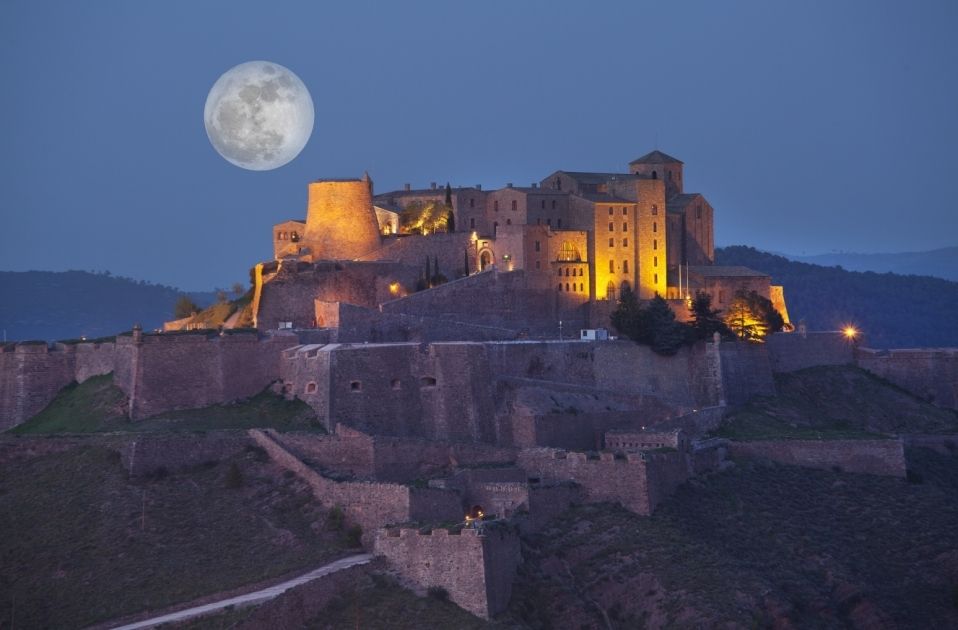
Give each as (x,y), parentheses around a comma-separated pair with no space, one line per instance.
(639,481)
(340,221)
(929,373)
(875,457)
(476,567)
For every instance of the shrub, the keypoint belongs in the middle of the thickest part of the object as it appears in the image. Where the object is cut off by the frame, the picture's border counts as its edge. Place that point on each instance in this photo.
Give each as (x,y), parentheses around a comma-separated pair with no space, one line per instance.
(335,519)
(438,592)
(354,536)
(914,477)
(234,476)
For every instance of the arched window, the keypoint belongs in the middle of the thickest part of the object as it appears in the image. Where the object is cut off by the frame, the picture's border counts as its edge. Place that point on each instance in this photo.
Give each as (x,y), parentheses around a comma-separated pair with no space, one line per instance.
(508,221)
(560,286)
(294,236)
(655,209)
(558,185)
(427,381)
(514,206)
(610,290)
(611,210)
(568,253)
(655,175)
(567,272)
(566,286)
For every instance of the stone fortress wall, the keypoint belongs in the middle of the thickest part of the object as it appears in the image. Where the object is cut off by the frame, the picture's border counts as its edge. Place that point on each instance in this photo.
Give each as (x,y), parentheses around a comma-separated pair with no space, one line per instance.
(31,374)
(929,373)
(874,457)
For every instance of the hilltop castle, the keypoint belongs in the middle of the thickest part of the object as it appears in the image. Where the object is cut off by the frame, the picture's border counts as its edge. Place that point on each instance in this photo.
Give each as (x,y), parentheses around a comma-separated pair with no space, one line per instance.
(562,250)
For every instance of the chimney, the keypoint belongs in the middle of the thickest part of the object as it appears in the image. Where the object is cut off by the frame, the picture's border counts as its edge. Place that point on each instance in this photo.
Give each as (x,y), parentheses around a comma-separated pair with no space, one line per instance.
(509,185)
(406,187)
(432,185)
(478,186)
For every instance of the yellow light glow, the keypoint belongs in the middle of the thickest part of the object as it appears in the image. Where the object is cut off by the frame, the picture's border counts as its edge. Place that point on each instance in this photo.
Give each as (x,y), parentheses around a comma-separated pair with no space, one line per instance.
(394,288)
(850,332)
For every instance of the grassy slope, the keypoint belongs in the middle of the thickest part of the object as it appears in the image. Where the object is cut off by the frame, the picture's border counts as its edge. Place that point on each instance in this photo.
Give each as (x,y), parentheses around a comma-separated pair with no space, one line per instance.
(74,552)
(753,545)
(97,405)
(836,402)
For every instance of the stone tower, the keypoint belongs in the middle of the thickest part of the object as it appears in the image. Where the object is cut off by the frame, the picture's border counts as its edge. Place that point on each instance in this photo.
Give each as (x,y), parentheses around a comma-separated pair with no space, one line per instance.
(658,165)
(340,221)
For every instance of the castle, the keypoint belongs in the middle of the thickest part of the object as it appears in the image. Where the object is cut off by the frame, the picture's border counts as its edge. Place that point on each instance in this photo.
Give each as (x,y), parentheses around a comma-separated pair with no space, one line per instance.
(470,385)
(561,250)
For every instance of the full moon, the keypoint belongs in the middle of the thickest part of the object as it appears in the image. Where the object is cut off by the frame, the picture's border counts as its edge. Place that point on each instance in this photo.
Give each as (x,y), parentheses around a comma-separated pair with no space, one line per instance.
(259,115)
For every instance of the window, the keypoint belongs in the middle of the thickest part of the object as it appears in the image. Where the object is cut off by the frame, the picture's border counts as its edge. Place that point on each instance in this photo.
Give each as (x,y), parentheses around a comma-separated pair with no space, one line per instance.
(580,272)
(611,226)
(508,221)
(495,205)
(611,242)
(427,381)
(670,175)
(610,290)
(566,286)
(356,386)
(543,204)
(560,286)
(395,384)
(611,210)
(625,242)
(554,203)
(559,271)
(537,246)
(655,210)
(514,207)
(567,272)
(472,203)
(581,287)
(655,244)
(625,212)
(611,266)
(655,261)
(625,266)
(311,387)
(655,278)
(537,265)
(495,228)
(472,224)
(655,175)
(549,222)
(568,253)
(558,185)
(625,227)
(559,224)
(655,226)
(294,236)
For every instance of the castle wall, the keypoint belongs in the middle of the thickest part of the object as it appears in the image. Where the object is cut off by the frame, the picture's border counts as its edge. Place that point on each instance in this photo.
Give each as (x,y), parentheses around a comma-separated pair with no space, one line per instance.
(367,504)
(184,371)
(929,373)
(745,371)
(788,352)
(477,570)
(151,453)
(639,481)
(452,250)
(875,457)
(340,221)
(31,374)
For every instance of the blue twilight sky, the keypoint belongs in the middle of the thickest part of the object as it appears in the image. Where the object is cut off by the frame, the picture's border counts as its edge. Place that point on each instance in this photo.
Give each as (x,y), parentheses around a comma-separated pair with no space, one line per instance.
(810,126)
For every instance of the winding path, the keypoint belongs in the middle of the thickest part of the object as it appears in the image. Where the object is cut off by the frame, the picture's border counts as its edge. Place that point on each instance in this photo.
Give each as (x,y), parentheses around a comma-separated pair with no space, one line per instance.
(256,597)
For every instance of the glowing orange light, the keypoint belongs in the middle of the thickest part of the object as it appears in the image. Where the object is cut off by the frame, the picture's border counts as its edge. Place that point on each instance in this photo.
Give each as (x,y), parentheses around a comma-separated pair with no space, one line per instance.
(850,332)
(394,288)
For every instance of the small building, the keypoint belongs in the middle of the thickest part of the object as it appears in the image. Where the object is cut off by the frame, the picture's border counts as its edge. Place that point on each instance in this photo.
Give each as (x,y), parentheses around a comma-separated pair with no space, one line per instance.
(594,334)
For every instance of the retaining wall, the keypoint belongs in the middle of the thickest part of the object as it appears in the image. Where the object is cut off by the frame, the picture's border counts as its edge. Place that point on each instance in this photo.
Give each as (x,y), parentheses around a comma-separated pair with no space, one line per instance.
(875,457)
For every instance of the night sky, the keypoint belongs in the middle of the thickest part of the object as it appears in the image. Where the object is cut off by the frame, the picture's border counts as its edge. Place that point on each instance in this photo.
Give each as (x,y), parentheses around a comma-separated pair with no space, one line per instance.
(810,126)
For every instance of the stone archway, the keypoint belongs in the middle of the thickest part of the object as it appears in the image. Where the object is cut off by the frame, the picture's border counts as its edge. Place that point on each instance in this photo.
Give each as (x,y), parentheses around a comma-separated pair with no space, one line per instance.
(485,259)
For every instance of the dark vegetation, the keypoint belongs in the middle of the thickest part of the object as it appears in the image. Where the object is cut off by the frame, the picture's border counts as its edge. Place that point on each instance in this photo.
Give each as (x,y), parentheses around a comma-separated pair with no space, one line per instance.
(754,546)
(893,311)
(939,263)
(72,304)
(84,543)
(750,317)
(835,402)
(97,405)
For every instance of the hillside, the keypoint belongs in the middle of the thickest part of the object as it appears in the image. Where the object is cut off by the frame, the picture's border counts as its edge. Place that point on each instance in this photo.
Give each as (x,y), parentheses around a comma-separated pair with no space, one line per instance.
(893,311)
(938,263)
(52,305)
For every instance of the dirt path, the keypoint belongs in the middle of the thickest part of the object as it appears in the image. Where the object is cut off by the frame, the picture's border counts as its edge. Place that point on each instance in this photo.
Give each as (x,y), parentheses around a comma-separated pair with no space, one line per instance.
(250,599)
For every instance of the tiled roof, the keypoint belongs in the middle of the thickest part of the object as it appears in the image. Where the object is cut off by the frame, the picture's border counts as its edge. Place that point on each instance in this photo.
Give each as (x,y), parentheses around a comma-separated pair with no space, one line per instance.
(678,203)
(603,198)
(656,157)
(584,177)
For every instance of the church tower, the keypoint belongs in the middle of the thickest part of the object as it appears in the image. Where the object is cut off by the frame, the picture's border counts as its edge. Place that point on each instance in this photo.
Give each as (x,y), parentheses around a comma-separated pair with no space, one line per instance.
(658,165)
(340,220)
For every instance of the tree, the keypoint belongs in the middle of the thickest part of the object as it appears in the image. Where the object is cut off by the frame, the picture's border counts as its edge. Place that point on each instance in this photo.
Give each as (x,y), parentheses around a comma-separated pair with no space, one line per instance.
(184,307)
(448,195)
(752,317)
(628,317)
(706,321)
(668,335)
(450,221)
(465,262)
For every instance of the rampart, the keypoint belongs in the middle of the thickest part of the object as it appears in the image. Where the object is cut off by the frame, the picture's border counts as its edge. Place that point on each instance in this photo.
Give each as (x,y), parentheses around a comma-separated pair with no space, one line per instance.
(788,352)
(367,504)
(875,457)
(31,374)
(476,568)
(929,373)
(153,453)
(639,481)
(165,372)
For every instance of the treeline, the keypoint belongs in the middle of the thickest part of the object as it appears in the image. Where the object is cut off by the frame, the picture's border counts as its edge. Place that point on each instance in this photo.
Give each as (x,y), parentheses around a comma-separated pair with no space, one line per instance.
(52,305)
(893,311)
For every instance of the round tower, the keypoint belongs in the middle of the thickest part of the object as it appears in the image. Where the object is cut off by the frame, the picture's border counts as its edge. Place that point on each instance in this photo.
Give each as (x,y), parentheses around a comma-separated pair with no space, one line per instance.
(340,221)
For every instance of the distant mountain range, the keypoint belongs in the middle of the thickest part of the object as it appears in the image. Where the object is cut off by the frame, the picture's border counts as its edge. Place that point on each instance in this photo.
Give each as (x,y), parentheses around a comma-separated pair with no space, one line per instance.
(894,311)
(939,263)
(52,305)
